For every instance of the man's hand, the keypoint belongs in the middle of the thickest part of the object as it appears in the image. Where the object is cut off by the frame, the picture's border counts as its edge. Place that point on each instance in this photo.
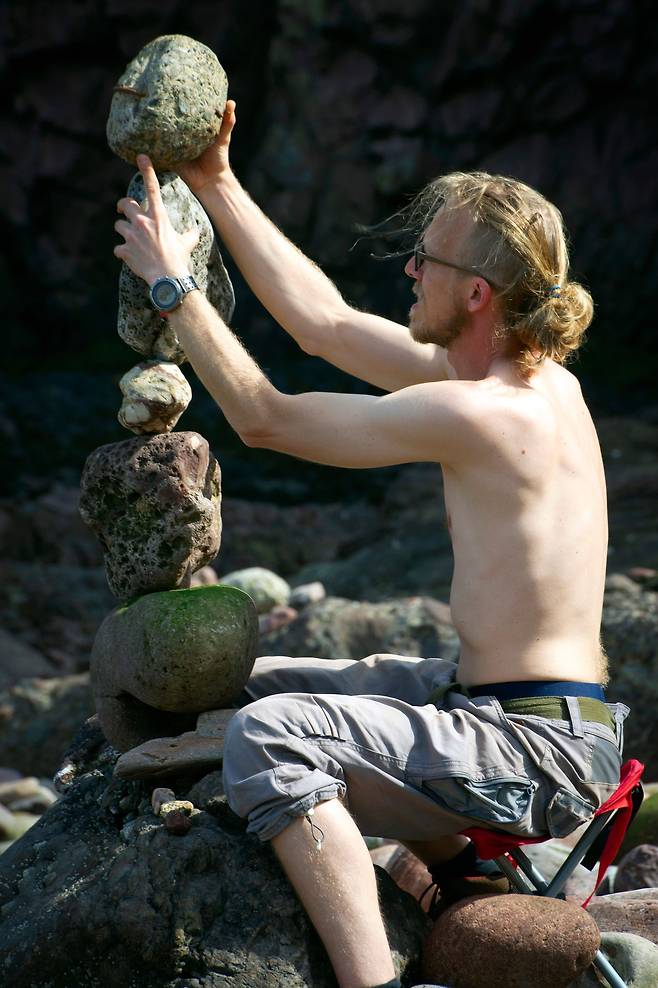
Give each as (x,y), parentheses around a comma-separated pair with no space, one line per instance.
(211,166)
(152,247)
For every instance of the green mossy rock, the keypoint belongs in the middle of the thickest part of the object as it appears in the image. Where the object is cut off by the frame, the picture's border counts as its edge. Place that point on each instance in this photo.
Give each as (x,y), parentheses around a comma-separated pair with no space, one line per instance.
(180,651)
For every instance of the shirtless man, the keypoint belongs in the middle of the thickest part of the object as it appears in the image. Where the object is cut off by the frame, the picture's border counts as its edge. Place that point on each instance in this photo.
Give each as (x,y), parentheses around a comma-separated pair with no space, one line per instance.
(329,750)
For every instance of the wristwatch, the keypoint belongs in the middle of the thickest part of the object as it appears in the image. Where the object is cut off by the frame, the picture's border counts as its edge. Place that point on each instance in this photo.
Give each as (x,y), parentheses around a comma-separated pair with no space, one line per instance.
(166,293)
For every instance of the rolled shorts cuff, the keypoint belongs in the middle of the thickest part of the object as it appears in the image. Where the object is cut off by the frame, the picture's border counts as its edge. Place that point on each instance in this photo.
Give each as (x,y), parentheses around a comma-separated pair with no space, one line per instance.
(271,822)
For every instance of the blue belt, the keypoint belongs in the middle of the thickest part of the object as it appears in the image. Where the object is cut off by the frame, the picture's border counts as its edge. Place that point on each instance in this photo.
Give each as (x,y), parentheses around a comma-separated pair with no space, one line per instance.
(534,687)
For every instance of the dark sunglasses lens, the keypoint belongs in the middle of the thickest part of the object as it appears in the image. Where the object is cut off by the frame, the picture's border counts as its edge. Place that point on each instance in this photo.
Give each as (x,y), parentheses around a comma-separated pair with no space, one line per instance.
(417,259)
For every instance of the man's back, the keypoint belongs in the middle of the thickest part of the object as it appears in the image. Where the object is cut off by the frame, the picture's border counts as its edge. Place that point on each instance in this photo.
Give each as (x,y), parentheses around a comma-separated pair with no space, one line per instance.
(527,514)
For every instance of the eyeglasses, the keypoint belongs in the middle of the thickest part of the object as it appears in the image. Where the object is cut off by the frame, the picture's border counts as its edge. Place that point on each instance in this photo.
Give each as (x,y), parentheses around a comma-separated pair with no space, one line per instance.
(420,257)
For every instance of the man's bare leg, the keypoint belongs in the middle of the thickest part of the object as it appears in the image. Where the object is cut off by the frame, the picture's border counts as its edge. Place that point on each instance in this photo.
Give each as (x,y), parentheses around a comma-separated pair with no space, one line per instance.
(338,889)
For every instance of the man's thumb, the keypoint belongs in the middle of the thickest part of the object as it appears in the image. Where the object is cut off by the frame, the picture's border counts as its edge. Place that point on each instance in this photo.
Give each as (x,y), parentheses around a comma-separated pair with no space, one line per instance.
(191,238)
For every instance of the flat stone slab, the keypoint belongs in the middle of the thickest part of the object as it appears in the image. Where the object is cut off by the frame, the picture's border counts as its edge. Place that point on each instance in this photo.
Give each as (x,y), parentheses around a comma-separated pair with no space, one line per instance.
(162,758)
(138,324)
(168,103)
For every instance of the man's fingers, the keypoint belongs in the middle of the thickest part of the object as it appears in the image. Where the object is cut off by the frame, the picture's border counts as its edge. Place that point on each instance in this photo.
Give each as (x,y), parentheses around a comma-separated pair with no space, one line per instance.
(151,184)
(122,227)
(129,207)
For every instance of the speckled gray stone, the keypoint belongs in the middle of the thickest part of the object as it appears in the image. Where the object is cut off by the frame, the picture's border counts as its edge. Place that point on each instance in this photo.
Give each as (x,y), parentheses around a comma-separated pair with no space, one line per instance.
(154,503)
(168,103)
(155,395)
(178,652)
(138,324)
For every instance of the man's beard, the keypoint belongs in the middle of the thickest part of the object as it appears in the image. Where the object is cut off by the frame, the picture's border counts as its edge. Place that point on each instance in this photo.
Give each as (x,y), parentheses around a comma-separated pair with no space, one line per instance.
(443,335)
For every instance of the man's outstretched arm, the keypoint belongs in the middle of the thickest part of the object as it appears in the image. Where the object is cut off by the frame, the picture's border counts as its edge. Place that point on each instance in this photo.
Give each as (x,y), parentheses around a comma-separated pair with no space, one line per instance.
(422,422)
(296,292)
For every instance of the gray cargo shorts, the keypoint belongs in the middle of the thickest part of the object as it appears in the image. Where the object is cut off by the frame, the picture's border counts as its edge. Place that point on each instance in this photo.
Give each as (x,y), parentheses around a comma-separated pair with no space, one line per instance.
(362,731)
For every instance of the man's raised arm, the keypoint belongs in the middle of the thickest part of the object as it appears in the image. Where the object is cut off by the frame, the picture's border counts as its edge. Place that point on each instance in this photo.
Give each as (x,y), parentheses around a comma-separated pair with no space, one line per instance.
(296,292)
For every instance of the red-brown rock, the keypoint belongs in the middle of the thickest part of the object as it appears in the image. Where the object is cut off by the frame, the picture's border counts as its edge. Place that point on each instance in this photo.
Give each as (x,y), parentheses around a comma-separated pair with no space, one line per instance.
(510,941)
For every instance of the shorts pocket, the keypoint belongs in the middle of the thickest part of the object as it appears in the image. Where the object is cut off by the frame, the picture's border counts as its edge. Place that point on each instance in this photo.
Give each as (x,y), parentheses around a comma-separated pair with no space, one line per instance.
(565,812)
(498,800)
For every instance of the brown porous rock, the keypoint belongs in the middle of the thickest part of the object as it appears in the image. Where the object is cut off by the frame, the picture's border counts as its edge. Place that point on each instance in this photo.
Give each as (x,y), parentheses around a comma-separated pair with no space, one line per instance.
(154,504)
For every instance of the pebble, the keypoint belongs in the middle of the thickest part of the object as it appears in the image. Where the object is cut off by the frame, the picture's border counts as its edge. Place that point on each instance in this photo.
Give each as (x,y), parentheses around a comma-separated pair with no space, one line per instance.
(155,395)
(277,618)
(159,797)
(307,593)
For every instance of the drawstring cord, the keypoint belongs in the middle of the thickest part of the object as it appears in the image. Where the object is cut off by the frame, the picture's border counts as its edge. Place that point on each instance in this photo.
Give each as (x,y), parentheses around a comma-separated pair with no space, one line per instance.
(315,830)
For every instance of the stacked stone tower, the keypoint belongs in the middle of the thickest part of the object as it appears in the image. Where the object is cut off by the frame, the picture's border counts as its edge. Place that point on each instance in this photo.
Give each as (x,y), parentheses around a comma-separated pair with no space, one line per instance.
(168,651)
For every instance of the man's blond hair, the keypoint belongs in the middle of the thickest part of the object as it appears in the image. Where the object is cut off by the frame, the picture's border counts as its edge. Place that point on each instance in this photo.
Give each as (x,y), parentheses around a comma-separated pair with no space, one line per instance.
(519,243)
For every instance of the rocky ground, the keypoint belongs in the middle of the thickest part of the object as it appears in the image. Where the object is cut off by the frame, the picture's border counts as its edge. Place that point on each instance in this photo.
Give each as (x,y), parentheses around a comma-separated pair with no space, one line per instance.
(367,575)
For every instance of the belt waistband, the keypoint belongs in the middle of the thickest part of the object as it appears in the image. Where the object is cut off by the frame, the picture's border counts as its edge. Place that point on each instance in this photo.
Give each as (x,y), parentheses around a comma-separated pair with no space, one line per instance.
(556,708)
(534,687)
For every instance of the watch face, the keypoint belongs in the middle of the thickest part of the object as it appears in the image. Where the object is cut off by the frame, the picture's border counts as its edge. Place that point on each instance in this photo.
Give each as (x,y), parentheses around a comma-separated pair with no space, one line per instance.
(165,294)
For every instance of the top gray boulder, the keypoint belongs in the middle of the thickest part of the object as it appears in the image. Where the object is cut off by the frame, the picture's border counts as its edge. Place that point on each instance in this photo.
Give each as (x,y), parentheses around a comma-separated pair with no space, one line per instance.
(168,103)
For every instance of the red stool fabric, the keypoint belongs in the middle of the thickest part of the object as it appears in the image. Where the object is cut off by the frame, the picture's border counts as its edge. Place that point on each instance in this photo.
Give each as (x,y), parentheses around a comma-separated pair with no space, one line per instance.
(494,843)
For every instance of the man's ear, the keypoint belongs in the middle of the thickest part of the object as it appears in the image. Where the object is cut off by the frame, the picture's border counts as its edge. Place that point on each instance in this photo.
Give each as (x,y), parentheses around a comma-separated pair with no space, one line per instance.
(480,295)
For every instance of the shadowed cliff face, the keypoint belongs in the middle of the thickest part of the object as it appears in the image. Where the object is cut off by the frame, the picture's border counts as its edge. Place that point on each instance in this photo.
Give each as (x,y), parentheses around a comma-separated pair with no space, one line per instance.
(345,107)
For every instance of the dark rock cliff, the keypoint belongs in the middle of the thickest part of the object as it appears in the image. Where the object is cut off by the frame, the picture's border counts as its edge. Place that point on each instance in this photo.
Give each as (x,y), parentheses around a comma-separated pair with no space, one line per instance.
(345,107)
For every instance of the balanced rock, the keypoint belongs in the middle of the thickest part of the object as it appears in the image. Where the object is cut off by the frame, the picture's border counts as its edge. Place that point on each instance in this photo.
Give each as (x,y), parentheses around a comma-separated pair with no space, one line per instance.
(167,654)
(154,503)
(265,588)
(510,941)
(138,324)
(155,395)
(168,103)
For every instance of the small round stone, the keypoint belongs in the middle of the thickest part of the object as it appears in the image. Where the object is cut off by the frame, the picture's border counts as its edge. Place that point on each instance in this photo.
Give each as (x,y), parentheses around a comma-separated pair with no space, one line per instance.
(155,395)
(168,103)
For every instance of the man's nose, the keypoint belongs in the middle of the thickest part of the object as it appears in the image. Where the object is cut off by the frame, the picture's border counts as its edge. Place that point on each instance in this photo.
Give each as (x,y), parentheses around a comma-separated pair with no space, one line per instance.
(410,269)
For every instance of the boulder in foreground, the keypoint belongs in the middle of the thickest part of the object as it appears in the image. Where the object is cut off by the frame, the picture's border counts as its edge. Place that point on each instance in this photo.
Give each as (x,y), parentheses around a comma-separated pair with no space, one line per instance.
(100,894)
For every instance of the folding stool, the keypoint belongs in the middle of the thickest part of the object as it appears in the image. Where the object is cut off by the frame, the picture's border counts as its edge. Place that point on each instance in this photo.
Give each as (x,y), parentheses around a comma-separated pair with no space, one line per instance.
(599,843)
